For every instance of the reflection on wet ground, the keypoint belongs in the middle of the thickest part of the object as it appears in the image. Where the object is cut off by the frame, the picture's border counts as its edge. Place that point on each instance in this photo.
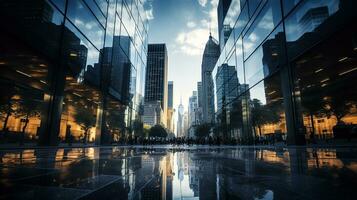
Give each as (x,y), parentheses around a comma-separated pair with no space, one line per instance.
(166,172)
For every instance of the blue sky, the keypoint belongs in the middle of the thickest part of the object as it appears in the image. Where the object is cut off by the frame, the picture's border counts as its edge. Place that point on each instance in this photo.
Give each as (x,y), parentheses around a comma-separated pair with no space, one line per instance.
(184,26)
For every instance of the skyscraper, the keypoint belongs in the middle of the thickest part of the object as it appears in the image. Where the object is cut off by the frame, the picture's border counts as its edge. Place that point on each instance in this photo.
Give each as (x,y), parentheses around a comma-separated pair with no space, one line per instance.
(180,120)
(210,57)
(170,109)
(156,87)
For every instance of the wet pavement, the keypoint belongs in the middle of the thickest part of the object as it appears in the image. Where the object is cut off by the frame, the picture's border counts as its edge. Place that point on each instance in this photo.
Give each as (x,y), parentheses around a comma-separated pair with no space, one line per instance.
(166,172)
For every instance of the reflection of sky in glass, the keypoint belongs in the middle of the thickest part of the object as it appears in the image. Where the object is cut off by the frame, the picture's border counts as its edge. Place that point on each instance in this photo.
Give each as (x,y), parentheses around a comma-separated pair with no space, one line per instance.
(258,92)
(294,29)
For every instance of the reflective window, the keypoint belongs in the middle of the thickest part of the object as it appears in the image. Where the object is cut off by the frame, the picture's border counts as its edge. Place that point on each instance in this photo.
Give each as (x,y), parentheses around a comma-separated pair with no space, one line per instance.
(253,5)
(97,12)
(83,19)
(239,66)
(267,113)
(241,22)
(307,23)
(326,86)
(266,59)
(30,47)
(267,20)
(81,103)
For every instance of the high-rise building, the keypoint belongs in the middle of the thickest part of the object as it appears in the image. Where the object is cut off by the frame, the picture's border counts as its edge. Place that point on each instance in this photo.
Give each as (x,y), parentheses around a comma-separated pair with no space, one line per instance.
(170,109)
(210,57)
(180,120)
(192,109)
(70,72)
(156,87)
(295,65)
(226,84)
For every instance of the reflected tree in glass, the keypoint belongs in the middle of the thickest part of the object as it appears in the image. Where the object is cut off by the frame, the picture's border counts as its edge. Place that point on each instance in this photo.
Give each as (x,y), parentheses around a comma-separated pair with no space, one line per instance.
(7,107)
(86,120)
(27,108)
(262,114)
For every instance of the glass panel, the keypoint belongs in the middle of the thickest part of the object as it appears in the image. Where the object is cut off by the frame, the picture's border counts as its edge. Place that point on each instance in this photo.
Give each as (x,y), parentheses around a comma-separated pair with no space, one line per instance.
(30,48)
(241,22)
(83,19)
(81,114)
(266,59)
(267,20)
(253,5)
(307,20)
(239,66)
(326,86)
(97,12)
(267,112)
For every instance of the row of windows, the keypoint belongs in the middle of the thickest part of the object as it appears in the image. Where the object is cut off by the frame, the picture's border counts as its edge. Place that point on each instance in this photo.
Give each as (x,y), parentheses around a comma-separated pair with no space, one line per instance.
(277,50)
(78,60)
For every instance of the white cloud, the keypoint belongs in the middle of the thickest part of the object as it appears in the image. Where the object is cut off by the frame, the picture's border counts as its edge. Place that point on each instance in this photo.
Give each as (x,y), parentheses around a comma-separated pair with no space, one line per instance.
(191,24)
(192,42)
(202,2)
(148,9)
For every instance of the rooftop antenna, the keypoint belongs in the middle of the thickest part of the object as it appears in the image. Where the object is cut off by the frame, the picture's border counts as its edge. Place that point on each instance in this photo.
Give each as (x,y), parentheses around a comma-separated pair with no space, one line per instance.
(210,35)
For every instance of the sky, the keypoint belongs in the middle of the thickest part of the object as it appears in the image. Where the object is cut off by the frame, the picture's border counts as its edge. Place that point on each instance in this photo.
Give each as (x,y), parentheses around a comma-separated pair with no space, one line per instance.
(184,26)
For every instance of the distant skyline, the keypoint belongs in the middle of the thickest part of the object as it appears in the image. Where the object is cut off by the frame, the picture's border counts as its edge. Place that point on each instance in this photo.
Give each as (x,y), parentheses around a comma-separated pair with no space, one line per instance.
(184,25)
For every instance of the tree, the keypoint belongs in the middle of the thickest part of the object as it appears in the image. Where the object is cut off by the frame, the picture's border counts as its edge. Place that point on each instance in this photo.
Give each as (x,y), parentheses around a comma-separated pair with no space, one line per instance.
(338,106)
(202,130)
(27,108)
(262,114)
(116,122)
(84,117)
(313,105)
(7,103)
(157,131)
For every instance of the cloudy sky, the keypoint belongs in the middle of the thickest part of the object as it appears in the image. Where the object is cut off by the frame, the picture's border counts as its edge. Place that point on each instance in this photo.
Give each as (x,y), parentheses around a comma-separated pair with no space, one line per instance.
(184,26)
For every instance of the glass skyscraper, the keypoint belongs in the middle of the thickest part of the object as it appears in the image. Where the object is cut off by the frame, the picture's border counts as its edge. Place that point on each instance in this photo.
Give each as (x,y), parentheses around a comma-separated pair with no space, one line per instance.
(71,70)
(295,62)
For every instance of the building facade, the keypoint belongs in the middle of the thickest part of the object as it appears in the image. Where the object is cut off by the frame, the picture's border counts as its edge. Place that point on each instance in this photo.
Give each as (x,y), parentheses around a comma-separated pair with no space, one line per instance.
(209,59)
(170,106)
(296,69)
(180,121)
(71,70)
(156,87)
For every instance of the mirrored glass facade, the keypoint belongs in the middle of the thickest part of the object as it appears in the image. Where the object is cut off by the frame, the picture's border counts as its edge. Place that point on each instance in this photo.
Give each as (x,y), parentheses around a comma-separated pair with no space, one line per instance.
(71,70)
(295,62)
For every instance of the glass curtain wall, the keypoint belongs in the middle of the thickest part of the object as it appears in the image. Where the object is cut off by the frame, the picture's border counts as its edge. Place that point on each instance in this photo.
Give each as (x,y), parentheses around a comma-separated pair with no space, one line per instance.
(79,62)
(295,62)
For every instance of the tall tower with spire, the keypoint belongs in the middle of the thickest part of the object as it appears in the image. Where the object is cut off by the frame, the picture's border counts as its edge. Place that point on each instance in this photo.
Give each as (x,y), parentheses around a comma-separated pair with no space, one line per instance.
(209,59)
(180,119)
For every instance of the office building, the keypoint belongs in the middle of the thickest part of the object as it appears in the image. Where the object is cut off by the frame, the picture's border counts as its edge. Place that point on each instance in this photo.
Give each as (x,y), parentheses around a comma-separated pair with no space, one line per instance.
(209,59)
(170,108)
(156,87)
(64,75)
(296,68)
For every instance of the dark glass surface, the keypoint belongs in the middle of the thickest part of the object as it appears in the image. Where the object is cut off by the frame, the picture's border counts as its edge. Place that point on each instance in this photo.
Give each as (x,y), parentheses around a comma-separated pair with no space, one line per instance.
(264,24)
(178,173)
(267,111)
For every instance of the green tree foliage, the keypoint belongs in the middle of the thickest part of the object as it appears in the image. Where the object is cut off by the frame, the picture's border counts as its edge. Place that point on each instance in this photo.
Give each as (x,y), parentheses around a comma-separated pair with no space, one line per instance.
(157,131)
